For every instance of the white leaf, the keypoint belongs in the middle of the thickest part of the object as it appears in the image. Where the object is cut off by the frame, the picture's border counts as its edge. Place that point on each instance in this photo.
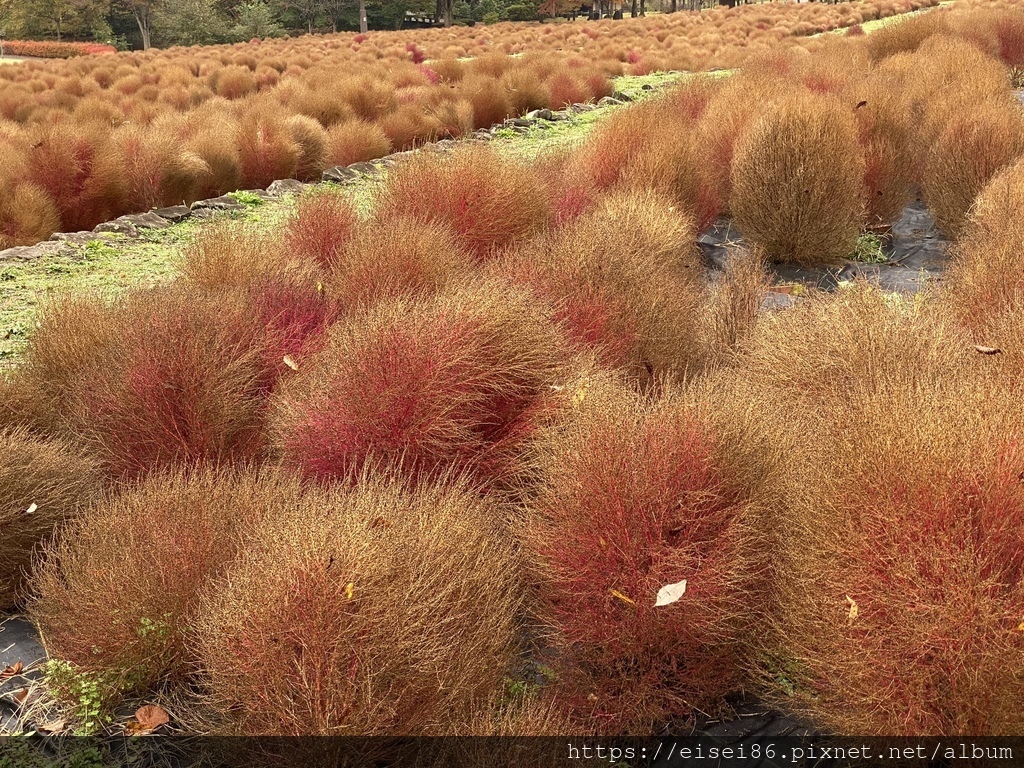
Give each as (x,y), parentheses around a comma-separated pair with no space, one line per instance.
(31,508)
(670,593)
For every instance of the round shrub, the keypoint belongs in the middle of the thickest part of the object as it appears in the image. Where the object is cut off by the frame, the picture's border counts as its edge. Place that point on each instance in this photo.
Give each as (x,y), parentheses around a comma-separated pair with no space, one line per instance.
(968,153)
(443,383)
(114,593)
(635,498)
(488,201)
(397,258)
(797,182)
(375,611)
(42,484)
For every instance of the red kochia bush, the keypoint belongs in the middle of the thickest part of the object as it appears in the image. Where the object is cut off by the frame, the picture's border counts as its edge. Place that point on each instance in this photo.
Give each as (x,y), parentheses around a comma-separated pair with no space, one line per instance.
(182,383)
(903,574)
(373,611)
(426,386)
(634,498)
(397,258)
(48,49)
(488,201)
(323,223)
(115,592)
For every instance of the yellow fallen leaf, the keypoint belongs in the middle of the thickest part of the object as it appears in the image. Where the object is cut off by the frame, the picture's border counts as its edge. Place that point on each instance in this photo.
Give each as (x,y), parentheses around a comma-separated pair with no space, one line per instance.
(670,593)
(350,589)
(319,287)
(622,597)
(1020,627)
(580,394)
(291,363)
(854,611)
(602,542)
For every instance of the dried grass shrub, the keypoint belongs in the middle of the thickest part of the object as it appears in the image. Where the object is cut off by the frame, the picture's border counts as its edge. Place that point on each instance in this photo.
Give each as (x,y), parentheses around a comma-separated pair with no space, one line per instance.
(734,302)
(116,591)
(43,483)
(970,150)
(355,141)
(636,497)
(321,227)
(797,182)
(181,382)
(488,201)
(625,281)
(374,611)
(444,383)
(984,279)
(397,258)
(899,577)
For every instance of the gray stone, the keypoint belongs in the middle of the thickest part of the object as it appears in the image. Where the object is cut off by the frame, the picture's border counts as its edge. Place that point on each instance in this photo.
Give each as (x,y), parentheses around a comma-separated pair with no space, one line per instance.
(75,238)
(222,203)
(1019,95)
(646,87)
(608,101)
(286,186)
(204,213)
(174,213)
(622,96)
(367,169)
(146,220)
(578,108)
(518,122)
(30,252)
(118,227)
(340,174)
(262,194)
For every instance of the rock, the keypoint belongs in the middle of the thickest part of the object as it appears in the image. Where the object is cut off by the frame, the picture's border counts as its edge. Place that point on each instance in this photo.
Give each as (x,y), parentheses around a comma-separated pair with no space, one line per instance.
(203,213)
(518,122)
(624,97)
(75,238)
(222,203)
(443,144)
(146,220)
(285,187)
(175,213)
(30,252)
(367,169)
(646,87)
(340,175)
(118,227)
(1019,95)
(578,108)
(262,194)
(608,101)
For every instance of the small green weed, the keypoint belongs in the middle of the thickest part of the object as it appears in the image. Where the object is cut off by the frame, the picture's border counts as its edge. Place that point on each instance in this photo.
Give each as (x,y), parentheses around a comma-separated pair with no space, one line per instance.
(20,752)
(869,250)
(250,199)
(98,249)
(88,693)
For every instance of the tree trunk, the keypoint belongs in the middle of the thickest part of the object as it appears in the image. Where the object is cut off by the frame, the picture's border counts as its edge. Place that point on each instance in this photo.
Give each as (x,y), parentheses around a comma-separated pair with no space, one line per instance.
(643,7)
(632,11)
(142,19)
(672,8)
(362,17)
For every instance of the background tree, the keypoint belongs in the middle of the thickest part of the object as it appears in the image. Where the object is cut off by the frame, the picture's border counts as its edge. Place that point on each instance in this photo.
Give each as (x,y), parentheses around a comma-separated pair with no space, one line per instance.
(58,19)
(143,10)
(255,19)
(189,22)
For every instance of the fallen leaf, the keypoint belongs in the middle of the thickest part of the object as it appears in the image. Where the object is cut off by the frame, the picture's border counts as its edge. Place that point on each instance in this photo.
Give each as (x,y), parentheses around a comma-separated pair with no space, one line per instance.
(854,611)
(602,542)
(147,719)
(11,671)
(319,287)
(54,726)
(350,589)
(20,695)
(291,362)
(580,394)
(670,593)
(782,289)
(861,104)
(988,350)
(31,508)
(1020,627)
(622,597)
